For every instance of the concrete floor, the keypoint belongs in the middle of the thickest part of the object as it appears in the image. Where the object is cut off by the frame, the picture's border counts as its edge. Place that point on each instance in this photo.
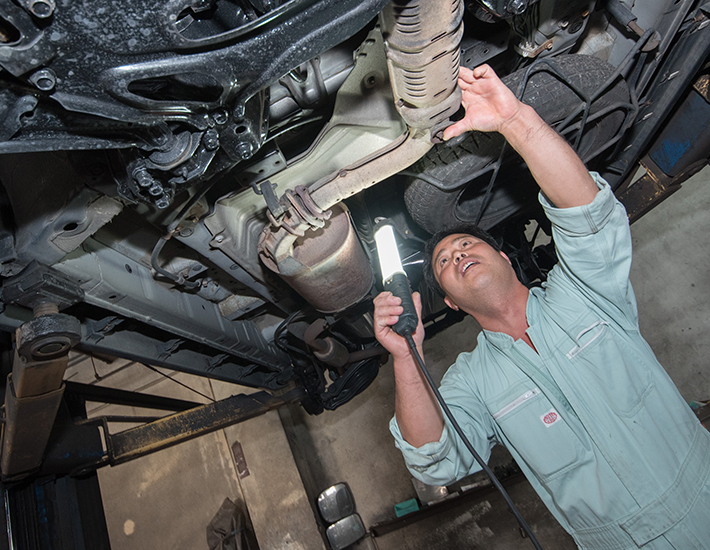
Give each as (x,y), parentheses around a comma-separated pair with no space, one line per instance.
(166,500)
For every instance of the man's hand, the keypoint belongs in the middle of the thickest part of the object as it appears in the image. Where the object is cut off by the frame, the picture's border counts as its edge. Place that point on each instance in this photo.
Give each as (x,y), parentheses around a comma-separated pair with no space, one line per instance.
(489,104)
(491,107)
(388,308)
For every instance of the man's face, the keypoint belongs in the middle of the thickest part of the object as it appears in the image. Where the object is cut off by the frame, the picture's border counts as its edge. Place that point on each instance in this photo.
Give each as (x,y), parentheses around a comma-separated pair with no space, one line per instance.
(465,265)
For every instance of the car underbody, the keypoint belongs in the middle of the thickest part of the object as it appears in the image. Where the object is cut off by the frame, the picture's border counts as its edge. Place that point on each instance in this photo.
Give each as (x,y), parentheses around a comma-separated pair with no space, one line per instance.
(194,184)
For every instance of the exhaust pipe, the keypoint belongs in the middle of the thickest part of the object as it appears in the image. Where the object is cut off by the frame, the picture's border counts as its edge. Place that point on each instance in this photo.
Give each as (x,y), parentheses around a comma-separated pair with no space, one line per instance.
(422,45)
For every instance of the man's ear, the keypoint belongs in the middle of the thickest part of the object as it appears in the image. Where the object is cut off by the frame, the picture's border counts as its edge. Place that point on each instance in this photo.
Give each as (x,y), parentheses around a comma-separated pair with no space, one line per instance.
(449,302)
(505,256)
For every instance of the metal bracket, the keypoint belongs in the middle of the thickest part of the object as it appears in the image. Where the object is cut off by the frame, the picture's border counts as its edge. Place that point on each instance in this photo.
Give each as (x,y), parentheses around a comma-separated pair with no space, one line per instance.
(266,189)
(170,347)
(38,284)
(96,330)
(216,361)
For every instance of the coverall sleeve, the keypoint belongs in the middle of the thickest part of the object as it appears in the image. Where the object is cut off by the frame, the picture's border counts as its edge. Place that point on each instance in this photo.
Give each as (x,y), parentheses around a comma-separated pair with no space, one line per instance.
(593,244)
(447,460)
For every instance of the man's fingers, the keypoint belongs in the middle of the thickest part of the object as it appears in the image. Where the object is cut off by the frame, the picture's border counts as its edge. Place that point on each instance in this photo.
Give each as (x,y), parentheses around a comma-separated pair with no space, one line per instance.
(468,76)
(454,130)
(389,311)
(385,322)
(480,71)
(388,308)
(465,74)
(386,302)
(386,297)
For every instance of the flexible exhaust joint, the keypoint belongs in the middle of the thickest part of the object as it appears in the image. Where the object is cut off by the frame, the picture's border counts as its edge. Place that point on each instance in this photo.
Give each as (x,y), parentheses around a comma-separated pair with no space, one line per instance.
(422,40)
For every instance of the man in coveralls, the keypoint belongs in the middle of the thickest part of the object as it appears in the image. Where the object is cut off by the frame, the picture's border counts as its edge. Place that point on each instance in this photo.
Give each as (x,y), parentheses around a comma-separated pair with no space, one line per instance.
(561,375)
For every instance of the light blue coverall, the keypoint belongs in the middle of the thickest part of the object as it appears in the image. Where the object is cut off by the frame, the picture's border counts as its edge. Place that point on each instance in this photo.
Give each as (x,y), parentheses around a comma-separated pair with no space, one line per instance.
(593,420)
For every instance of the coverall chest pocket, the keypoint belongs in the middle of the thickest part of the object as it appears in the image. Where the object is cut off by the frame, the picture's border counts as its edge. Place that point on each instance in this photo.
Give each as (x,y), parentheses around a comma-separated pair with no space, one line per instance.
(535,431)
(609,367)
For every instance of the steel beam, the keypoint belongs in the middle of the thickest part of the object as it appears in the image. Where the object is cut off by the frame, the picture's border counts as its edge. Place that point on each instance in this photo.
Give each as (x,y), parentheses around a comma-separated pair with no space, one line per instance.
(653,188)
(183,426)
(115,336)
(102,394)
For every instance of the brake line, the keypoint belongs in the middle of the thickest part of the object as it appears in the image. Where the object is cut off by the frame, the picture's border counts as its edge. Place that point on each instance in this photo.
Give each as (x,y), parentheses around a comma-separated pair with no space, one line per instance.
(155,264)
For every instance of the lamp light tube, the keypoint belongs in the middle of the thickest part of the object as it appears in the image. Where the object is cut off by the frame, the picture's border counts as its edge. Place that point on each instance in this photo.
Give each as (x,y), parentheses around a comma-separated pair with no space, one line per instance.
(388,253)
(394,279)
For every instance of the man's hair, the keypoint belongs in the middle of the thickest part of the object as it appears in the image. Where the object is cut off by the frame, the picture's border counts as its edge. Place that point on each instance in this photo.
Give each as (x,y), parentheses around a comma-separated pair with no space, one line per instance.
(466,229)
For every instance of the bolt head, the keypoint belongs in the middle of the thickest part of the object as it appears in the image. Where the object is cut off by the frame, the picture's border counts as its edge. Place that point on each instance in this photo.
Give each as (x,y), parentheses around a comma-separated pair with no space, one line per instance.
(44,80)
(220,117)
(156,189)
(143,178)
(42,8)
(211,139)
(516,7)
(245,150)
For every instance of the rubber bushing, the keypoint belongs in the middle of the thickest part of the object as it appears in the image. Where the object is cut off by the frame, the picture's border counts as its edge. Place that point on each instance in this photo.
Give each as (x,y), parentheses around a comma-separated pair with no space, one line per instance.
(48,336)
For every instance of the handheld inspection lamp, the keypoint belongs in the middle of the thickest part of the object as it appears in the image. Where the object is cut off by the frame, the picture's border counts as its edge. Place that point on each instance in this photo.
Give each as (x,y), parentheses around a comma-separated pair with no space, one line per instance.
(394,278)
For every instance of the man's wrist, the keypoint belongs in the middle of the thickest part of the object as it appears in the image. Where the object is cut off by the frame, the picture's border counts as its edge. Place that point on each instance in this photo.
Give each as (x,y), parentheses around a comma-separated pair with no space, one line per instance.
(522,128)
(406,369)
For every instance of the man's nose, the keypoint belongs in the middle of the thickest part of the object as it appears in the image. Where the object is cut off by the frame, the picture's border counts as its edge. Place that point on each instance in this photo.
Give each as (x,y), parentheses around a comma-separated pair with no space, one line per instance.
(458,256)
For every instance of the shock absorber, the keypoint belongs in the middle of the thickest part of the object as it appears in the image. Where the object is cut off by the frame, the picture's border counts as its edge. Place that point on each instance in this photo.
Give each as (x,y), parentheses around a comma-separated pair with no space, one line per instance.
(422,41)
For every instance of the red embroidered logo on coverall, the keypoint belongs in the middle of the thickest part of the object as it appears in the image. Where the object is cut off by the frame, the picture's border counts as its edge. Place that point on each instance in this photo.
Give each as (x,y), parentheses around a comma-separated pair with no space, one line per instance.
(549,418)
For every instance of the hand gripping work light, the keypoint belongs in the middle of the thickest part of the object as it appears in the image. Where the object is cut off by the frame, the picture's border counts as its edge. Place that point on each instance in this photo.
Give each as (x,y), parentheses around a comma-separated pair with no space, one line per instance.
(395,280)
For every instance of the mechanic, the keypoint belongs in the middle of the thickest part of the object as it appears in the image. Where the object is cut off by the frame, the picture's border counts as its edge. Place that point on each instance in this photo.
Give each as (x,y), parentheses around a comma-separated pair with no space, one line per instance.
(560,375)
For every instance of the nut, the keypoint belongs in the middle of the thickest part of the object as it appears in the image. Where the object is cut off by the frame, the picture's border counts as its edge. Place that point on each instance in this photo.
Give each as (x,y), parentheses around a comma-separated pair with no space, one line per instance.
(41,8)
(245,150)
(44,79)
(211,139)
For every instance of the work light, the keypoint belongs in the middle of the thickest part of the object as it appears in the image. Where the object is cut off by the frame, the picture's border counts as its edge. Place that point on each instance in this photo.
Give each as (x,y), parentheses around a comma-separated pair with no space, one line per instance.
(394,278)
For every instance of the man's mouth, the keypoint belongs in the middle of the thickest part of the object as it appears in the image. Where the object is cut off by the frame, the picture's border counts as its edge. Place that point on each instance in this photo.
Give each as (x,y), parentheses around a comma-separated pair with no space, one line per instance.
(468,265)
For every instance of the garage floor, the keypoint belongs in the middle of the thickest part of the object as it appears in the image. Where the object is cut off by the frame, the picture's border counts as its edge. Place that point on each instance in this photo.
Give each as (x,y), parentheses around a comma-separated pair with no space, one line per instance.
(166,500)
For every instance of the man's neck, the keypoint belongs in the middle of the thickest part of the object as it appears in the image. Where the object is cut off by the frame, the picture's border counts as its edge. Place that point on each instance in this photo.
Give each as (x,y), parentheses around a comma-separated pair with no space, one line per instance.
(506,314)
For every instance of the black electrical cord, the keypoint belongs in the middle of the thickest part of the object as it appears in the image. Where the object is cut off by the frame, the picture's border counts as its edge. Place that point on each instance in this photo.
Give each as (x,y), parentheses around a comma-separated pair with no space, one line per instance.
(408,336)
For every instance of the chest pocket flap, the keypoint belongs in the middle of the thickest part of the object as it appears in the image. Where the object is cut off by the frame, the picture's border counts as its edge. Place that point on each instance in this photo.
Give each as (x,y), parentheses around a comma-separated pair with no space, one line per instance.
(606,364)
(587,337)
(535,431)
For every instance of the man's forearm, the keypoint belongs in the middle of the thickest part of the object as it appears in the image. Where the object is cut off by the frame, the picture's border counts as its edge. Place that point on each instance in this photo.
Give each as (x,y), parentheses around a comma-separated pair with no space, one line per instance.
(419,416)
(557,169)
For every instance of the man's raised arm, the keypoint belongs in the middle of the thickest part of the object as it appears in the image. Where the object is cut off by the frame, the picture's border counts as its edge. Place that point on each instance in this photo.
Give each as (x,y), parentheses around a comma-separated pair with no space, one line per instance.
(491,107)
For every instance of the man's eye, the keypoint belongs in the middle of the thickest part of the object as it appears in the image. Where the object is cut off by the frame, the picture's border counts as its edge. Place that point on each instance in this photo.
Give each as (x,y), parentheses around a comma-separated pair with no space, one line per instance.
(442,261)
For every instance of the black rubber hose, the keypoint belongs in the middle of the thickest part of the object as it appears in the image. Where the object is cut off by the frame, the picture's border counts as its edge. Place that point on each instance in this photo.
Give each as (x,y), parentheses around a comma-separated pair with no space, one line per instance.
(408,336)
